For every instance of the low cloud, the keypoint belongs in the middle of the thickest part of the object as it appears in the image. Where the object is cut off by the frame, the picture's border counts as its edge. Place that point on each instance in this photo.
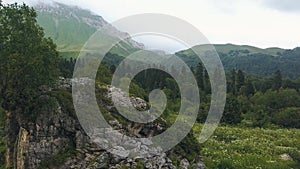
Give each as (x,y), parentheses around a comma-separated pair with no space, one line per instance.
(283,5)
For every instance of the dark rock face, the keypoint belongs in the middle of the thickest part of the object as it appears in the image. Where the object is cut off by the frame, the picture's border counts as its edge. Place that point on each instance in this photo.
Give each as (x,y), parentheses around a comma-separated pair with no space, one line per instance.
(55,133)
(51,134)
(56,140)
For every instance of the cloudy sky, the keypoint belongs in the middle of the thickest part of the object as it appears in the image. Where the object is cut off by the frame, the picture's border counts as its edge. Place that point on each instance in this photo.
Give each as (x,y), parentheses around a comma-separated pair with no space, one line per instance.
(261,23)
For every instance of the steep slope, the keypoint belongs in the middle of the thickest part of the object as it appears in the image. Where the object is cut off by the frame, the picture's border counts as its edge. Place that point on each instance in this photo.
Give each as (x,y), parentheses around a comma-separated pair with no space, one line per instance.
(70,27)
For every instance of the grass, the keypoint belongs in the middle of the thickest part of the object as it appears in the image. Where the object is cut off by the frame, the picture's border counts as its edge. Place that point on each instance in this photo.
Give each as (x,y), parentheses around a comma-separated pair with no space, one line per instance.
(68,34)
(239,147)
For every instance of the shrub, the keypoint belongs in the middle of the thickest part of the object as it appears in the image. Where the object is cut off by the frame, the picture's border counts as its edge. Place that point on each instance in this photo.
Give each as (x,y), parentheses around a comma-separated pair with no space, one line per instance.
(289,117)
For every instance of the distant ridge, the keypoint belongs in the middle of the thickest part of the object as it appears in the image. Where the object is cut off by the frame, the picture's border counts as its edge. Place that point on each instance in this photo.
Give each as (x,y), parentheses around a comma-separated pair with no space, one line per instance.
(252,60)
(70,27)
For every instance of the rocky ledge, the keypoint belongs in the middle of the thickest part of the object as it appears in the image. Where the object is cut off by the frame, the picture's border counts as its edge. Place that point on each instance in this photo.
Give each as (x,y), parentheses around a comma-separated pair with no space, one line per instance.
(55,139)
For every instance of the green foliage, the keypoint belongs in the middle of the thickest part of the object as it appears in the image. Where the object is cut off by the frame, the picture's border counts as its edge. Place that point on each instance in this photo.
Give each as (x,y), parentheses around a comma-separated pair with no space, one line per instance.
(104,74)
(67,67)
(277,80)
(199,75)
(289,117)
(65,100)
(2,152)
(203,112)
(248,89)
(137,91)
(253,61)
(258,117)
(188,148)
(140,165)
(273,107)
(237,147)
(2,120)
(232,113)
(225,164)
(27,59)
(2,138)
(240,80)
(276,100)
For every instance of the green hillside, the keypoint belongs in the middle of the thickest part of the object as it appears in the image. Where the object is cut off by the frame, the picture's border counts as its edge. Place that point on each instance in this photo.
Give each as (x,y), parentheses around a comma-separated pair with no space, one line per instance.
(63,31)
(252,60)
(232,49)
(70,27)
(245,49)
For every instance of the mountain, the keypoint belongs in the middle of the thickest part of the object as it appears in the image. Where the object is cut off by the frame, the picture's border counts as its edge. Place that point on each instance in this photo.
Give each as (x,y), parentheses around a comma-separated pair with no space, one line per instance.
(252,60)
(246,49)
(70,27)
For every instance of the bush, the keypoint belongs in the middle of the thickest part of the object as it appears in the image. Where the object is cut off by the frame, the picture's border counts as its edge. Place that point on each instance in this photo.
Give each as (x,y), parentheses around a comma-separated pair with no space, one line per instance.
(232,113)
(289,117)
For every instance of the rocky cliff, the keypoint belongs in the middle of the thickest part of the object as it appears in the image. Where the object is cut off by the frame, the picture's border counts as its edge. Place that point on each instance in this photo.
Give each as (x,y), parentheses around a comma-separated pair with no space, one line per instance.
(53,138)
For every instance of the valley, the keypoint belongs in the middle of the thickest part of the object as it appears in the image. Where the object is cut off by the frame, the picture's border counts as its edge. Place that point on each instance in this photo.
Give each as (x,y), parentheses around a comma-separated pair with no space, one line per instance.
(40,128)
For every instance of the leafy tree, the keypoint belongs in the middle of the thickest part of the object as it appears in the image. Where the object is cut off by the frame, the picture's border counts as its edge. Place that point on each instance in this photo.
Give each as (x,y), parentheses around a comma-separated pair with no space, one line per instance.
(277,80)
(244,104)
(289,117)
(231,85)
(288,83)
(277,100)
(112,68)
(240,80)
(199,74)
(27,59)
(232,113)
(248,89)
(104,74)
(297,83)
(261,118)
(263,85)
(172,85)
(207,85)
(137,91)
(203,112)
(67,67)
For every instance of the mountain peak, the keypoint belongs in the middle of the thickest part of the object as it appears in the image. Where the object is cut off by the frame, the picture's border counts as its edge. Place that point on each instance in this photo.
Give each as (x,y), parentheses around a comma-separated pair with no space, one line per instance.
(71,12)
(71,26)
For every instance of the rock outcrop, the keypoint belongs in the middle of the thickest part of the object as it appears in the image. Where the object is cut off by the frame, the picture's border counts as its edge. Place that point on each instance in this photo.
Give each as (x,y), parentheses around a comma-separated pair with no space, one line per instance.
(55,139)
(55,135)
